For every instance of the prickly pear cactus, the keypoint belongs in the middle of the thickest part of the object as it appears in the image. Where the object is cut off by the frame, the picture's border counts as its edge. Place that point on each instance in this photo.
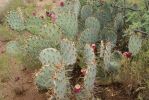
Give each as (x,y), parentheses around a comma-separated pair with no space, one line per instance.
(135,43)
(104,14)
(107,55)
(53,60)
(44,77)
(89,36)
(60,84)
(115,61)
(53,33)
(33,46)
(50,59)
(77,7)
(72,6)
(86,12)
(69,24)
(68,51)
(90,61)
(92,22)
(50,56)
(13,48)
(15,21)
(34,24)
(118,22)
(108,35)
(105,11)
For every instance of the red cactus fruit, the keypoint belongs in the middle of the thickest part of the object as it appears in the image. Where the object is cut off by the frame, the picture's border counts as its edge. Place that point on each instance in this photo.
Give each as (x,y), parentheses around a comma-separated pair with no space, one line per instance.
(127,54)
(61,4)
(77,88)
(94,47)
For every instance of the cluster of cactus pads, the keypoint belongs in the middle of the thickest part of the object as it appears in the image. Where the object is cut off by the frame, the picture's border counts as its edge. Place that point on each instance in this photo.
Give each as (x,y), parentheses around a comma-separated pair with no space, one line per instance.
(47,47)
(54,73)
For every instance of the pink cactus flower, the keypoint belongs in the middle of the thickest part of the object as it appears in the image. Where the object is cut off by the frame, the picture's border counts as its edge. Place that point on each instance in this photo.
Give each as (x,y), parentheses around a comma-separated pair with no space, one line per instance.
(127,54)
(53,17)
(94,47)
(77,88)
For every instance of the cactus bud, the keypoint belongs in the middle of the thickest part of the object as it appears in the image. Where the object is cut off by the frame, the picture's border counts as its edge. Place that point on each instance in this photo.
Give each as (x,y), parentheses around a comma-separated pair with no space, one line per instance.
(83,71)
(53,17)
(61,4)
(127,54)
(77,88)
(94,47)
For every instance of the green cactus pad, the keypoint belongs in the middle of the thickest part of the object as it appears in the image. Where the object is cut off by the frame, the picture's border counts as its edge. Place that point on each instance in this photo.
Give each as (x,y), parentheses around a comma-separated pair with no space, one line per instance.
(33,46)
(68,51)
(118,22)
(86,12)
(34,24)
(77,7)
(60,83)
(90,76)
(13,48)
(50,56)
(68,23)
(107,55)
(53,33)
(115,61)
(108,35)
(89,55)
(15,21)
(89,36)
(92,22)
(43,78)
(135,43)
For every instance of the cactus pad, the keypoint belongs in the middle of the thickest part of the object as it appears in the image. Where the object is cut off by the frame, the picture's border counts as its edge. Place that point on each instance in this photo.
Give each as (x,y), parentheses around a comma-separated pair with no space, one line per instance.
(60,85)
(15,21)
(108,36)
(50,56)
(92,22)
(33,46)
(90,76)
(118,22)
(34,24)
(86,12)
(68,51)
(53,33)
(43,78)
(69,24)
(89,36)
(135,43)
(13,48)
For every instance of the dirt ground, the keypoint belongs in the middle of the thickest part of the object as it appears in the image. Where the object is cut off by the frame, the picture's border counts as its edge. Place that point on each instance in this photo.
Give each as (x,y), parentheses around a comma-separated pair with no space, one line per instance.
(17,83)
